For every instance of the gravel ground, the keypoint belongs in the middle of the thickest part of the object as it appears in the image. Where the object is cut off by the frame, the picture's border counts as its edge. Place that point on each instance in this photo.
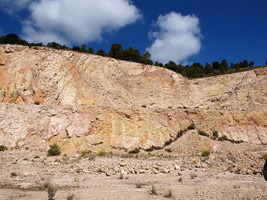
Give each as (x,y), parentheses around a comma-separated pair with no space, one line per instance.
(234,173)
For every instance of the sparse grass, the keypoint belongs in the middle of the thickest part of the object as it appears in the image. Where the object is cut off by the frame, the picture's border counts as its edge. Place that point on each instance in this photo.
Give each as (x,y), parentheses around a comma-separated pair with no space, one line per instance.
(191,127)
(264,156)
(138,185)
(169,194)
(3,148)
(13,174)
(124,155)
(205,153)
(131,155)
(193,175)
(51,190)
(121,177)
(46,183)
(153,190)
(54,150)
(70,196)
(169,150)
(101,153)
(85,153)
(203,133)
(91,156)
(135,151)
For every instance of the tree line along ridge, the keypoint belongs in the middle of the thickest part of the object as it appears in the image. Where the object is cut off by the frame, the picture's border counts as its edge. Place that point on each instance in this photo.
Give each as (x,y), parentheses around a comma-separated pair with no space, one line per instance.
(195,70)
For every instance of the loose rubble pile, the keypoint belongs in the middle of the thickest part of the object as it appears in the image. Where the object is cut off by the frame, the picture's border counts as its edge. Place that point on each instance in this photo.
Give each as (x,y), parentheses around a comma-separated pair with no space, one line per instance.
(246,163)
(25,169)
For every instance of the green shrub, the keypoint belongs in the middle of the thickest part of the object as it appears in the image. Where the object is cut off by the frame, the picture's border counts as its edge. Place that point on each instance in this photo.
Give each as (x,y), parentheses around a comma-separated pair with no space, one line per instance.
(99,143)
(237,142)
(215,134)
(13,174)
(205,153)
(203,133)
(135,151)
(101,153)
(153,148)
(223,138)
(37,103)
(54,150)
(180,133)
(264,156)
(191,127)
(3,148)
(168,142)
(169,150)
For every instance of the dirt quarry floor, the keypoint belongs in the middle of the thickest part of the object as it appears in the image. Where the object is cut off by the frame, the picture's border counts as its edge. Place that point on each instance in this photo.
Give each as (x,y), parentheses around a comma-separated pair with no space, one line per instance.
(232,171)
(206,185)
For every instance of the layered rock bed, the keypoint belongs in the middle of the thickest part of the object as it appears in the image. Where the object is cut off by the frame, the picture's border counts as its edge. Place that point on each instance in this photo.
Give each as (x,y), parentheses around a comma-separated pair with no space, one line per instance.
(46,94)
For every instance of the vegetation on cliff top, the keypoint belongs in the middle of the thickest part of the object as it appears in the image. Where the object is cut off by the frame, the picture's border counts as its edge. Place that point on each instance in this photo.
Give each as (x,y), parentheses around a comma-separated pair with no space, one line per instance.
(196,70)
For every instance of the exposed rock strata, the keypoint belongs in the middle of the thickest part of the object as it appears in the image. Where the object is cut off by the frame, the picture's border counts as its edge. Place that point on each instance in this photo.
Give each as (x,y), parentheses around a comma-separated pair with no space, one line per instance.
(119,103)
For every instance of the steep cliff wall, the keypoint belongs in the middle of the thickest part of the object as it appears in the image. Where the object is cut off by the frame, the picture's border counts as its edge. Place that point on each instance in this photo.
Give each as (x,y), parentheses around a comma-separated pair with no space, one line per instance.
(119,103)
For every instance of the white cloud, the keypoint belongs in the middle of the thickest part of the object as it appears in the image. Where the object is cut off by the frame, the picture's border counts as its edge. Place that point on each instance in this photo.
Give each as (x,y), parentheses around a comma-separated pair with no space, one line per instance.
(177,37)
(75,21)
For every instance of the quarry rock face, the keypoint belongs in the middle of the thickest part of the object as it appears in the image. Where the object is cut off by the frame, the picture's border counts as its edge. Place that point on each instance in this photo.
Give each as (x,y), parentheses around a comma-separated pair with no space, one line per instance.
(79,100)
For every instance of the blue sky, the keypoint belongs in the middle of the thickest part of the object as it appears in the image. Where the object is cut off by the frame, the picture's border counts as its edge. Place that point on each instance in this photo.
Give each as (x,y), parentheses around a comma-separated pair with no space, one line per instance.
(211,30)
